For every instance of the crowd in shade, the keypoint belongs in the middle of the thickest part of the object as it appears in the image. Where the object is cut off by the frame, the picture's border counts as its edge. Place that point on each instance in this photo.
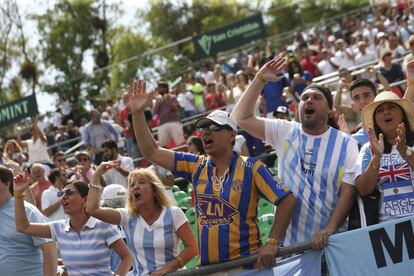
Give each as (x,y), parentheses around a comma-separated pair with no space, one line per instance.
(189,174)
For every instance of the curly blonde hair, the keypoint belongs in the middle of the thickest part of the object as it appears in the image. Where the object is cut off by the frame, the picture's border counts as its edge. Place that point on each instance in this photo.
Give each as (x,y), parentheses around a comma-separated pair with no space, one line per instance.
(161,198)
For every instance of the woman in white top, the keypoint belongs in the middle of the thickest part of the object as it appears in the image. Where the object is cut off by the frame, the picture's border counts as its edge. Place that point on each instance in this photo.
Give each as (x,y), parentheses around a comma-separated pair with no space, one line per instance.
(153,227)
(36,146)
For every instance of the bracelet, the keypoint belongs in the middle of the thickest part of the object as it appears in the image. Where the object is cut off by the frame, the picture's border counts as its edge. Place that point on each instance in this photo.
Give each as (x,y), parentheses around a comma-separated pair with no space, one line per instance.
(260,77)
(19,195)
(273,241)
(94,186)
(410,83)
(179,261)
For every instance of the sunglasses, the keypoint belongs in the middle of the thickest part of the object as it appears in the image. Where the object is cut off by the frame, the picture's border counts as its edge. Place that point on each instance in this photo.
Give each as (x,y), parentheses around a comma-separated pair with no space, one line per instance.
(60,160)
(215,127)
(80,159)
(67,192)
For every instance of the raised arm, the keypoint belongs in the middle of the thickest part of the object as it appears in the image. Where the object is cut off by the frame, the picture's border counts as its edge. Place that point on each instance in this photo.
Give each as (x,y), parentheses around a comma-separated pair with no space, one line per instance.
(22,223)
(243,112)
(138,100)
(107,215)
(343,84)
(409,92)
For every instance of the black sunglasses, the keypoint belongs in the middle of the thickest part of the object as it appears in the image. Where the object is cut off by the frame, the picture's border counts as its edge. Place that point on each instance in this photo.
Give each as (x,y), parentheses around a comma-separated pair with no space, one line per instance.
(215,127)
(60,160)
(67,192)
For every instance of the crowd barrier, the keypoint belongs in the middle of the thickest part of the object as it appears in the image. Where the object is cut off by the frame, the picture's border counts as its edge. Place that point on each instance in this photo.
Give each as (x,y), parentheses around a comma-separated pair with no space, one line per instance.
(382,249)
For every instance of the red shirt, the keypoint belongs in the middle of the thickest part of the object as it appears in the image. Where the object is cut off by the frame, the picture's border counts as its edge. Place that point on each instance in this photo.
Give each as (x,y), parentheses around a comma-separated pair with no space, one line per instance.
(213,100)
(308,64)
(123,116)
(38,188)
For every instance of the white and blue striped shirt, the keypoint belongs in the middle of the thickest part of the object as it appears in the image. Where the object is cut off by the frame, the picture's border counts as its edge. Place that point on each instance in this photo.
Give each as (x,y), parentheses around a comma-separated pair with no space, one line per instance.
(88,253)
(153,245)
(313,167)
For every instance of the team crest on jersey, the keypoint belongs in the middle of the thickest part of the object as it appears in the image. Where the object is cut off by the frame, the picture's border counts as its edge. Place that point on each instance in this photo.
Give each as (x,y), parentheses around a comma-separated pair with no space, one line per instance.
(236,185)
(214,210)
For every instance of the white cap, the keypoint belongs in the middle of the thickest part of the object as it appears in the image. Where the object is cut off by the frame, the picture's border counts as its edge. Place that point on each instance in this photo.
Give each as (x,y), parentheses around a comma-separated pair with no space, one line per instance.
(219,117)
(282,109)
(113,191)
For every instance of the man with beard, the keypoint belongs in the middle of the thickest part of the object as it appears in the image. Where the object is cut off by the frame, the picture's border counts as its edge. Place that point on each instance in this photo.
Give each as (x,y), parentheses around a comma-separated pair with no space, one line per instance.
(119,174)
(315,160)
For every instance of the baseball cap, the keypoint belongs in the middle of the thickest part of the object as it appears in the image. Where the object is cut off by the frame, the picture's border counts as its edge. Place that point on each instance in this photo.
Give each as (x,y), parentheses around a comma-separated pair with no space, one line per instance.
(113,191)
(282,110)
(219,117)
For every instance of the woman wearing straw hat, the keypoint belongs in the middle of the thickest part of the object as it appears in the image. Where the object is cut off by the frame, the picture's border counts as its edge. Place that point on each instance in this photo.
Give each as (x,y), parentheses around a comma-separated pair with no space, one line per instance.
(386,163)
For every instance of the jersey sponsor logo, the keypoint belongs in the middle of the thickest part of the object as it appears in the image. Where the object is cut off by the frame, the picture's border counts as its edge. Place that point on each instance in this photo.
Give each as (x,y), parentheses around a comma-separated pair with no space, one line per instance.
(215,211)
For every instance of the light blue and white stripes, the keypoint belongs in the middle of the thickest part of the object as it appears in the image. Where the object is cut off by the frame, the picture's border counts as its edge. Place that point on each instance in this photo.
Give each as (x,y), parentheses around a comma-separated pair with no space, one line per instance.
(313,167)
(153,245)
(88,253)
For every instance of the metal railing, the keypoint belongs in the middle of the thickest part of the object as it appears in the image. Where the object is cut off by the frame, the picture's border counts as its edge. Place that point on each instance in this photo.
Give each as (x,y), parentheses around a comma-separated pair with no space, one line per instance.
(209,269)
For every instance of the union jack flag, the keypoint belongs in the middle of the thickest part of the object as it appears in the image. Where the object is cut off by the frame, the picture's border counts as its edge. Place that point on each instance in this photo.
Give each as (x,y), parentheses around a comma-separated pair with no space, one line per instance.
(394,173)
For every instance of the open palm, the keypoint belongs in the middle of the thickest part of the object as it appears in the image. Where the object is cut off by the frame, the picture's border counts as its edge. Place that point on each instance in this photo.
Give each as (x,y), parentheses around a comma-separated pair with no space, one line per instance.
(270,70)
(138,96)
(377,144)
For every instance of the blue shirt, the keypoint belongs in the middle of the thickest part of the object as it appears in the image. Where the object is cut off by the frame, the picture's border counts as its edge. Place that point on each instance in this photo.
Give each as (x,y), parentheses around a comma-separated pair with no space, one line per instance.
(20,254)
(88,253)
(109,132)
(361,136)
(272,92)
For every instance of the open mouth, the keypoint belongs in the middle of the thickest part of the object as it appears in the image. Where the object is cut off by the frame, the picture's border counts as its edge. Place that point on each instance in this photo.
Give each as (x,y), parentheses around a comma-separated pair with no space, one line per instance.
(388,120)
(207,141)
(309,110)
(137,195)
(64,204)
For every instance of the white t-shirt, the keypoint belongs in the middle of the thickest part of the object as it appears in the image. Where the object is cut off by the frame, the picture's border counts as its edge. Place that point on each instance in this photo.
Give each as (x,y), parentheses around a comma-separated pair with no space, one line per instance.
(395,183)
(342,59)
(49,197)
(37,151)
(153,245)
(325,67)
(115,177)
(185,100)
(313,167)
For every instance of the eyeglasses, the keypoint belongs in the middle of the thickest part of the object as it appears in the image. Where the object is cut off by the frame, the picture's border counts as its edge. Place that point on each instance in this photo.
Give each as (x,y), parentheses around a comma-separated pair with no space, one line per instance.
(215,127)
(82,159)
(67,192)
(60,160)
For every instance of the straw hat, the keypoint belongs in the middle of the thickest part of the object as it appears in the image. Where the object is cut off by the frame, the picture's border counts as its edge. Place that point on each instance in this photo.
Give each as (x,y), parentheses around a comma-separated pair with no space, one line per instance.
(387,96)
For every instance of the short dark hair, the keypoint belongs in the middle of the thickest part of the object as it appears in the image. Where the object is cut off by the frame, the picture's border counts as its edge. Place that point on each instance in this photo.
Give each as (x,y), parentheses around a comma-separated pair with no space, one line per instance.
(110,144)
(6,176)
(55,173)
(363,82)
(80,186)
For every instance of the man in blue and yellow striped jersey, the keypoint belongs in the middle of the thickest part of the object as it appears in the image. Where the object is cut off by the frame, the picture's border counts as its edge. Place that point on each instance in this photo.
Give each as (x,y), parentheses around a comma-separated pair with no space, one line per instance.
(227,187)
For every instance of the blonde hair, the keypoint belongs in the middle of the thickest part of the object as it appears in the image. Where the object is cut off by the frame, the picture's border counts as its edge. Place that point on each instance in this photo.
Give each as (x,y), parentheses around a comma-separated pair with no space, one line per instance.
(161,198)
(17,147)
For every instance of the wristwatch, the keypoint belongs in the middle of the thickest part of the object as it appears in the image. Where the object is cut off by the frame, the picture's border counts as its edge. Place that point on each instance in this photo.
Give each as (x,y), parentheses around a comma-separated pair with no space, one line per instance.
(408,152)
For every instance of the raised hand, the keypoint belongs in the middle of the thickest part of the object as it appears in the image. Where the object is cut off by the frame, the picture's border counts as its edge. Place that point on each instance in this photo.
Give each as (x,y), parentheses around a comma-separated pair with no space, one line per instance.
(106,166)
(269,71)
(377,144)
(139,99)
(21,182)
(400,141)
(410,70)
(343,125)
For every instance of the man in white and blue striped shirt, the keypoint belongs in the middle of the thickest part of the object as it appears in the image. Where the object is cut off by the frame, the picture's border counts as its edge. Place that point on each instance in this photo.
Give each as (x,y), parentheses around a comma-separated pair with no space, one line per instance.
(315,160)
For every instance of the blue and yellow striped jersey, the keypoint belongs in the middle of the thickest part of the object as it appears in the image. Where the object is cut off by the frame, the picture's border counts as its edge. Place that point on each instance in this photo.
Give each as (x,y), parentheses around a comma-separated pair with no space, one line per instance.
(227,217)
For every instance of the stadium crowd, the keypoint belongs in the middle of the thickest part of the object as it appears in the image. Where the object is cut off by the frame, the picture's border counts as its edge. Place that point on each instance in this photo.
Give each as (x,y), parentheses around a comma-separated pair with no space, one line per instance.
(336,105)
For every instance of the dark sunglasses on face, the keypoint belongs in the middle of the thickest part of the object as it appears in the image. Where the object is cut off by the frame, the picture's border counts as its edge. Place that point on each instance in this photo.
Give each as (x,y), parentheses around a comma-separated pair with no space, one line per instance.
(215,127)
(60,160)
(67,192)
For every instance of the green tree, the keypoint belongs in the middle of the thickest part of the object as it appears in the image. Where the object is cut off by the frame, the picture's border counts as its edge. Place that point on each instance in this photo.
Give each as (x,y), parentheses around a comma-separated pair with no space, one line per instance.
(70,31)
